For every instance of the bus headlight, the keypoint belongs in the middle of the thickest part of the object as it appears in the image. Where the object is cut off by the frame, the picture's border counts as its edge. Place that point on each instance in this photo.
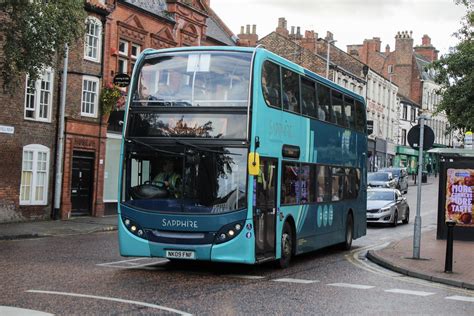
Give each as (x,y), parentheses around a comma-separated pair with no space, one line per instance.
(228,232)
(133,227)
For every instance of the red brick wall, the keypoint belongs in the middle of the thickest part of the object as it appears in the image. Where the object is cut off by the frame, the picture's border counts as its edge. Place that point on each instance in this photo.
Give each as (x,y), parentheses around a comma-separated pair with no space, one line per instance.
(11,154)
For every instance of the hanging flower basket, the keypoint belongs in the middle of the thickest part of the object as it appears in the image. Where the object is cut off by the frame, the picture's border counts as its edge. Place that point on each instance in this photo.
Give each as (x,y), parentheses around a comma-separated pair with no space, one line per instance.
(111,99)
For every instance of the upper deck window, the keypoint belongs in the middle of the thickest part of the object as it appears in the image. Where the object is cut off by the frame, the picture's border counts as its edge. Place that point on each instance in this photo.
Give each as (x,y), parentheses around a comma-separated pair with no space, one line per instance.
(195,79)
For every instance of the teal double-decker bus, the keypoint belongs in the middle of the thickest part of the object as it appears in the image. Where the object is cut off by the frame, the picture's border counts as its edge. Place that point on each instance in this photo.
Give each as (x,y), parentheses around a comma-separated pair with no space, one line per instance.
(235,154)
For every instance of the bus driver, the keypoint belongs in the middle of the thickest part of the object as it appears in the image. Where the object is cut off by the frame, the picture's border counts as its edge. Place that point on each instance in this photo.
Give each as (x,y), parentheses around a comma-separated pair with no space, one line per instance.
(168,177)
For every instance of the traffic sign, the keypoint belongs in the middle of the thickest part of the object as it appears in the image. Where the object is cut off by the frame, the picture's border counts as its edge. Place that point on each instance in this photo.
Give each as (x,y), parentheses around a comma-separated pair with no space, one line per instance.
(414,137)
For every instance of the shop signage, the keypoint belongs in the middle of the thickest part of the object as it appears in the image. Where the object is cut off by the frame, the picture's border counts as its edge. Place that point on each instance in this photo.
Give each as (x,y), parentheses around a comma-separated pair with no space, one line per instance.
(122,80)
(370,127)
(468,140)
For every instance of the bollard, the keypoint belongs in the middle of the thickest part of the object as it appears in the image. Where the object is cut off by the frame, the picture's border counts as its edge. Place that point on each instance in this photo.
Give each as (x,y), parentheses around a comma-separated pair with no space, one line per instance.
(448,264)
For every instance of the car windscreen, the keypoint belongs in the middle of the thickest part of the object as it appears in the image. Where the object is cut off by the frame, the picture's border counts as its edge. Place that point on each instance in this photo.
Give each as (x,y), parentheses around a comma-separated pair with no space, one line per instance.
(380,195)
(377,176)
(395,172)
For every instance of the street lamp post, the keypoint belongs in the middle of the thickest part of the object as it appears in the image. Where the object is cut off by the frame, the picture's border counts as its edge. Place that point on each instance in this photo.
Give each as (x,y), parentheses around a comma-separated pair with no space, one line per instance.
(389,137)
(327,57)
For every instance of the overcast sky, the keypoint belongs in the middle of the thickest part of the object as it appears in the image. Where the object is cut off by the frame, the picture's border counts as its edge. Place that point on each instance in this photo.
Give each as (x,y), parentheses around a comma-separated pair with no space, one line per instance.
(351,21)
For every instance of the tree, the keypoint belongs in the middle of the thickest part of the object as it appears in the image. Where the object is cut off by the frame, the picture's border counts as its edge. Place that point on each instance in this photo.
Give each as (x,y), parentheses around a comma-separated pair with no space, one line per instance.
(455,74)
(34,34)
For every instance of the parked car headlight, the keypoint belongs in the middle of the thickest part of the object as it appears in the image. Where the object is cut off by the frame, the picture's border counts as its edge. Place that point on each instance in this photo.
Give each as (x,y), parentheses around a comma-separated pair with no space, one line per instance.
(385,209)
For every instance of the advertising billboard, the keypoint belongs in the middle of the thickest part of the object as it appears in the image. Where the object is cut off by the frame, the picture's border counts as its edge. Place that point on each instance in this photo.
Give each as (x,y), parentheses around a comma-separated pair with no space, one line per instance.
(458,203)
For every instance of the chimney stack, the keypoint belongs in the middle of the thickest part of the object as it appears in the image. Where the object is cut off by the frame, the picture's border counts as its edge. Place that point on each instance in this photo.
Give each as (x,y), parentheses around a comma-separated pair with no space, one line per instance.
(282,27)
(248,39)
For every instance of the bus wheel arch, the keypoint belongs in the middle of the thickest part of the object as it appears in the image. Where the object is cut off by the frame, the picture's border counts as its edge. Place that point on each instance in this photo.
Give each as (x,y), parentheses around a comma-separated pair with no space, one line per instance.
(288,243)
(348,231)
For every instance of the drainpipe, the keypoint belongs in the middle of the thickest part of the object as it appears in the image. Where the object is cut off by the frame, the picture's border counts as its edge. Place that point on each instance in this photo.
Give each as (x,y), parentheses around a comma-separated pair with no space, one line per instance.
(60,145)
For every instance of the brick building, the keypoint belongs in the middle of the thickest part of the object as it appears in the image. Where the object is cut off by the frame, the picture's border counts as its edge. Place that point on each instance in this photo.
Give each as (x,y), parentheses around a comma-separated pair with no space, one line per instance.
(27,142)
(408,67)
(135,25)
(311,52)
(117,31)
(29,129)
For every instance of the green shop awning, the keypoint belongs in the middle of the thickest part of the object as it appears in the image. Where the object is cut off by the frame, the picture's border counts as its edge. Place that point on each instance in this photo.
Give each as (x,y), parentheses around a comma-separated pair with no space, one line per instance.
(404,150)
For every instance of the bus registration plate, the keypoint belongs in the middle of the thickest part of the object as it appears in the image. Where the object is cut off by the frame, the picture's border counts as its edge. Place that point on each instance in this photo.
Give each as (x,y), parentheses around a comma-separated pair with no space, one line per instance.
(180,254)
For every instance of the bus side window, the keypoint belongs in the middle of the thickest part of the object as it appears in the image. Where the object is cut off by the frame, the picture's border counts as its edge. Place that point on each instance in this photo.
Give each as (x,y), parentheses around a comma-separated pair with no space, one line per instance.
(349,111)
(308,94)
(350,184)
(290,186)
(337,106)
(306,184)
(323,192)
(291,94)
(337,176)
(360,116)
(324,103)
(271,84)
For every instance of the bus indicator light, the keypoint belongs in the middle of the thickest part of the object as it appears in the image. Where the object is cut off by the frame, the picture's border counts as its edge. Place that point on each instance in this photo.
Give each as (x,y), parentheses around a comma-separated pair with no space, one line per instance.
(248,235)
(238,227)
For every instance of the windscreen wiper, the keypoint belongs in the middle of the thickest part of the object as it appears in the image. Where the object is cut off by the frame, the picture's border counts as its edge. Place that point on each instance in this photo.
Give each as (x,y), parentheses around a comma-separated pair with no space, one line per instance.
(132,140)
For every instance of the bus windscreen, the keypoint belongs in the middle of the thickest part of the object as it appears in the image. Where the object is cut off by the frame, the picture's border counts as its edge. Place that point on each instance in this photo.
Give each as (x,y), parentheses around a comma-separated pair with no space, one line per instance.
(212,79)
(185,178)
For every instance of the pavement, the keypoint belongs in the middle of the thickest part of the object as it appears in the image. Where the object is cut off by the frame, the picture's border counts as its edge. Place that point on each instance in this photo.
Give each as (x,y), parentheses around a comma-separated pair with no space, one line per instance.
(397,256)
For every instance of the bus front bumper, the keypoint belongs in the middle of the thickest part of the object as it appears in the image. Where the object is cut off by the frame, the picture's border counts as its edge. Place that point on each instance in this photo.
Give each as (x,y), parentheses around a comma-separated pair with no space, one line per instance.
(240,249)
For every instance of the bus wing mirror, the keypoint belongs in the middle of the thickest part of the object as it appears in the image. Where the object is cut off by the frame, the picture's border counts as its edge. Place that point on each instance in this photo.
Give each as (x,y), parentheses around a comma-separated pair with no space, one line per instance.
(254,163)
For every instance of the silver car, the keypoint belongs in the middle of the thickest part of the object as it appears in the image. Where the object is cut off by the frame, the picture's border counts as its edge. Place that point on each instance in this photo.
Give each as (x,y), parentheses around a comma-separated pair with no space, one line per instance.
(381,179)
(387,206)
(401,177)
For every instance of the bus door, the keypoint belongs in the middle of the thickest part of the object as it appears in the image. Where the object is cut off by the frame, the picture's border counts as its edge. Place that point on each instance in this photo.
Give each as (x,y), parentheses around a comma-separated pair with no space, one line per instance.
(265,210)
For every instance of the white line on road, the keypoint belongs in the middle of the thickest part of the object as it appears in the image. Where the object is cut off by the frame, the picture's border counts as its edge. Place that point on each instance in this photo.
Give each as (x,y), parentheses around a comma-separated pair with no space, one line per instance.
(122,261)
(172,310)
(249,277)
(132,263)
(15,311)
(289,280)
(354,286)
(461,298)
(409,292)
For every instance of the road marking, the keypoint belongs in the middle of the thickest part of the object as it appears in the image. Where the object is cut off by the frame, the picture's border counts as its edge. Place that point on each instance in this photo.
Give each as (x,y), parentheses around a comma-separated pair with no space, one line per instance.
(301,281)
(132,263)
(461,298)
(354,286)
(15,311)
(249,277)
(409,292)
(172,310)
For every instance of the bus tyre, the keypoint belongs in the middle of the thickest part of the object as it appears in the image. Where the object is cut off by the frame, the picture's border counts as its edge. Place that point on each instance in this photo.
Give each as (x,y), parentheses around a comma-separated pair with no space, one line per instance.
(347,244)
(286,246)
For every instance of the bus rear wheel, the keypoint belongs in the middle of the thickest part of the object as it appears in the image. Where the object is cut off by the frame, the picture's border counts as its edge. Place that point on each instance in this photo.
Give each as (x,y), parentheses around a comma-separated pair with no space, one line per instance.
(347,244)
(286,246)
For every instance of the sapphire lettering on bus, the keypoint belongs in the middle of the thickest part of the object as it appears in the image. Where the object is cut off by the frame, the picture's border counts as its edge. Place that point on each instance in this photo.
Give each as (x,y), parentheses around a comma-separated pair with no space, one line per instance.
(176,223)
(278,130)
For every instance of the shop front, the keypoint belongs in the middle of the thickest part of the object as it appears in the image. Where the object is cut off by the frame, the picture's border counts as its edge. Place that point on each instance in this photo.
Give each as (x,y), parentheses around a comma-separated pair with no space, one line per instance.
(406,157)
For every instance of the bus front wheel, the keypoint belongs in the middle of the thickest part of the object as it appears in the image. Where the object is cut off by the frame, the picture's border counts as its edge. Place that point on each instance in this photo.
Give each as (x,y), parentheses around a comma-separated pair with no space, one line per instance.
(286,246)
